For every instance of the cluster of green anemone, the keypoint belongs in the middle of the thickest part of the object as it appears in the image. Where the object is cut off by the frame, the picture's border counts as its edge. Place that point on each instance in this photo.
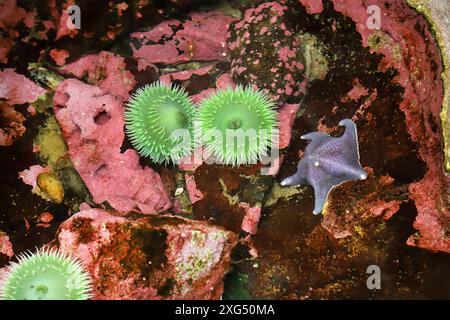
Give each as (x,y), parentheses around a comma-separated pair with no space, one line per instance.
(237,126)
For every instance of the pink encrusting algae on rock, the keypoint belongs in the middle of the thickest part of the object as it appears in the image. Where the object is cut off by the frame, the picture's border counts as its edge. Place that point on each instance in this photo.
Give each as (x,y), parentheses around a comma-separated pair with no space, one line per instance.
(11,15)
(156,257)
(201,38)
(286,116)
(312,7)
(29,176)
(63,28)
(251,217)
(18,89)
(357,92)
(92,124)
(12,126)
(6,247)
(6,45)
(194,193)
(409,47)
(265,54)
(185,74)
(105,70)
(59,56)
(371,198)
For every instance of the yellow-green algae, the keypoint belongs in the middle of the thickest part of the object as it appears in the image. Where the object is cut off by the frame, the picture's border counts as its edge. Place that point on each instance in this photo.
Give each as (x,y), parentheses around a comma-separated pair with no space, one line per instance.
(441,31)
(50,141)
(232,199)
(316,63)
(277,193)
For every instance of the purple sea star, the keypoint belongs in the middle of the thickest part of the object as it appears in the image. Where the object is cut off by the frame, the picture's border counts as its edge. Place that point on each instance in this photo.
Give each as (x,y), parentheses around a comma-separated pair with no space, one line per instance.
(328,162)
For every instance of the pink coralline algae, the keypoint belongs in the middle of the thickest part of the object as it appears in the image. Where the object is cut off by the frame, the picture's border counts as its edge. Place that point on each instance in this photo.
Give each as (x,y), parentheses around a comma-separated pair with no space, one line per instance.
(59,56)
(274,66)
(355,93)
(200,38)
(185,75)
(10,14)
(18,89)
(63,29)
(29,176)
(5,46)
(105,70)
(194,193)
(6,247)
(19,26)
(312,6)
(156,257)
(286,117)
(92,124)
(251,218)
(417,74)
(12,124)
(367,199)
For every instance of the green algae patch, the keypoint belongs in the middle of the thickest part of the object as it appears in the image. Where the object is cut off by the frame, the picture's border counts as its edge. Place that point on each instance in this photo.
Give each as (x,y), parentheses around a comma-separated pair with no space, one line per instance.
(50,143)
(316,63)
(278,193)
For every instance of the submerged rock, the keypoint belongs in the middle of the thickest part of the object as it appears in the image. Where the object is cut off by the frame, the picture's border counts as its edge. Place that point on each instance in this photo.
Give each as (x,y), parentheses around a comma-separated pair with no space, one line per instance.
(201,37)
(157,257)
(265,53)
(92,124)
(105,70)
(16,89)
(418,63)
(12,124)
(6,247)
(372,198)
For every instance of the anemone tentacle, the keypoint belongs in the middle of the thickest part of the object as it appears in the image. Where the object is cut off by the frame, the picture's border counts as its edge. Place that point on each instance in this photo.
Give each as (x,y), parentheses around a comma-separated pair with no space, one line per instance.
(152,114)
(238,111)
(46,275)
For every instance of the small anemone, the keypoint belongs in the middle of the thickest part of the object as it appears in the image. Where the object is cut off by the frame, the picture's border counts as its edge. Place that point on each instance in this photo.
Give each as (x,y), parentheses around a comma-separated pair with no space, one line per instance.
(46,275)
(153,117)
(238,125)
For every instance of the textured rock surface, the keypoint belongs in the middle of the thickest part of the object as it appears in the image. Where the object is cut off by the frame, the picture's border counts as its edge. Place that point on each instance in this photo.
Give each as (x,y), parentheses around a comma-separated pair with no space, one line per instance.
(6,247)
(157,257)
(200,38)
(265,54)
(419,76)
(92,123)
(17,89)
(12,126)
(372,198)
(105,70)
(437,13)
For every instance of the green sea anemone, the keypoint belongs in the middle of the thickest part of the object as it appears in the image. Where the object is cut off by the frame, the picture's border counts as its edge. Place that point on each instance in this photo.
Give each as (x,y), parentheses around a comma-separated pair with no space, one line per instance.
(238,125)
(46,275)
(153,114)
